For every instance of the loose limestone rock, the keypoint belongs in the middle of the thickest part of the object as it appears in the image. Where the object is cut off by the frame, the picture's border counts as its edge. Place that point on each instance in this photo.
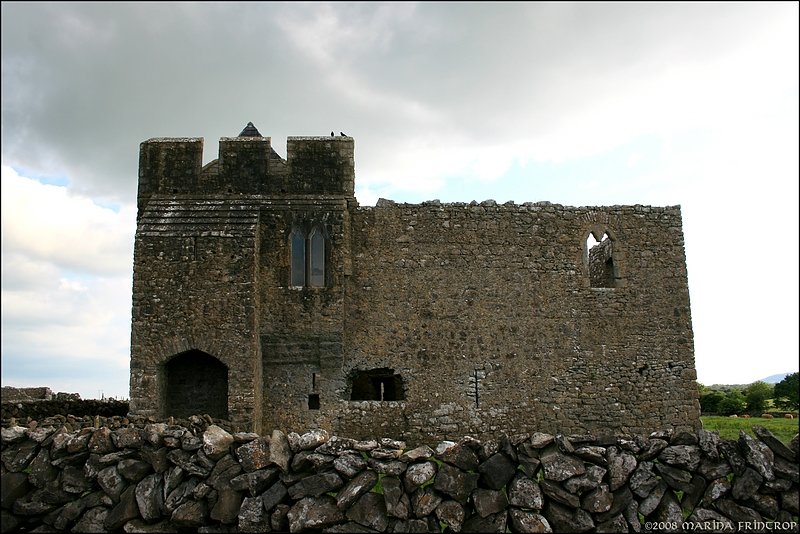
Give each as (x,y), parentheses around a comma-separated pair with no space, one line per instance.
(525,493)
(216,442)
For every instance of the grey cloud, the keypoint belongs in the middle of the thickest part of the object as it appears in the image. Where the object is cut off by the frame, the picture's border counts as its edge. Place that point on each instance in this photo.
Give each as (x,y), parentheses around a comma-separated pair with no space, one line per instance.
(84,83)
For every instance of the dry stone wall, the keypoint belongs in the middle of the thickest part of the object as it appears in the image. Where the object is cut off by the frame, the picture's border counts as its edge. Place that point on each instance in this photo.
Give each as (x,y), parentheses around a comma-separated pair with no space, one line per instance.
(135,476)
(41,409)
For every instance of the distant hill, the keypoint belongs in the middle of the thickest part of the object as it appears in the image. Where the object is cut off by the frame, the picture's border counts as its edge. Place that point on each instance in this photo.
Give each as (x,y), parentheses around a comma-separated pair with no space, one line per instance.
(774,379)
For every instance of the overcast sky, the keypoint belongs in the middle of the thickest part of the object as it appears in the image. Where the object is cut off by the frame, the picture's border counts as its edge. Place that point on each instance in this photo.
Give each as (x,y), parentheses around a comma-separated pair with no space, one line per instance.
(579,104)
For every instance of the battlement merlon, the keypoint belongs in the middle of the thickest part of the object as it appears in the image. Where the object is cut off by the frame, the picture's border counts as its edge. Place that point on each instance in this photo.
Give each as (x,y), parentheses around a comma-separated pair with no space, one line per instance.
(247,164)
(322,165)
(168,164)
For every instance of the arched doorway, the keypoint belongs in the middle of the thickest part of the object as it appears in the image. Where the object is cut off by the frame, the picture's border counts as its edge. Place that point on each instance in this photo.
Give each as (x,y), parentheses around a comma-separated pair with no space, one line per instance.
(196,384)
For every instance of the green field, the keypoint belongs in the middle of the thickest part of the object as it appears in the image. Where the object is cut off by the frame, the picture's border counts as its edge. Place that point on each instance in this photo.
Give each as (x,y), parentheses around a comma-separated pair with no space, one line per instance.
(729,427)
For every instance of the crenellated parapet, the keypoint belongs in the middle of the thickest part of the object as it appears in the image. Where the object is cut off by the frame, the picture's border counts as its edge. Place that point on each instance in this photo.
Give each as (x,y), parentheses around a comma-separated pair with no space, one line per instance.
(247,164)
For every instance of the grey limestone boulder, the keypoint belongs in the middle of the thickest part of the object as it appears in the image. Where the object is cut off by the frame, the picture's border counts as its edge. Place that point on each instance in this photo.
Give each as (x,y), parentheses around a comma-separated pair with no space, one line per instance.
(451,514)
(598,500)
(620,466)
(424,501)
(216,442)
(681,456)
(252,517)
(308,441)
(190,514)
(253,455)
(274,495)
(315,485)
(418,474)
(150,497)
(525,493)
(349,464)
(358,486)
(397,502)
(280,453)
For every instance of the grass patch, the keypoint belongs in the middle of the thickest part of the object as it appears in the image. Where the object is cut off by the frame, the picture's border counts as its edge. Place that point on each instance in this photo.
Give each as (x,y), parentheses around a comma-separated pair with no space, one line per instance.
(378,487)
(729,427)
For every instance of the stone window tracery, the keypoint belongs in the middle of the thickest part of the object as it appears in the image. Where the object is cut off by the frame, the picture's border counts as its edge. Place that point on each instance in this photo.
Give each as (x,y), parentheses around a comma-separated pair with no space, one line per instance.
(308,254)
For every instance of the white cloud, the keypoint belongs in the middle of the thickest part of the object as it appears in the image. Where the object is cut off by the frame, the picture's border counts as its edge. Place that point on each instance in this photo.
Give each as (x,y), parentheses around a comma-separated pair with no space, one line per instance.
(66,288)
(48,223)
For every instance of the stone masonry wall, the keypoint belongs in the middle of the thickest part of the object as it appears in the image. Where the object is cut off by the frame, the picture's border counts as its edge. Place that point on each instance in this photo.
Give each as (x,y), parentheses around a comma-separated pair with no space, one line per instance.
(156,477)
(487,313)
(480,318)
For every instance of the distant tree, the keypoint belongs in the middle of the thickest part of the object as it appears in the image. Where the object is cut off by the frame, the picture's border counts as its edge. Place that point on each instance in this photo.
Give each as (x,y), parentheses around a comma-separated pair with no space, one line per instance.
(733,403)
(757,394)
(787,393)
(709,402)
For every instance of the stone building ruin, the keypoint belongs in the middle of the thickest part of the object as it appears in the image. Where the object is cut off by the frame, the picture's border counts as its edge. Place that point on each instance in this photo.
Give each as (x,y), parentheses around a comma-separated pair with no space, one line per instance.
(265,295)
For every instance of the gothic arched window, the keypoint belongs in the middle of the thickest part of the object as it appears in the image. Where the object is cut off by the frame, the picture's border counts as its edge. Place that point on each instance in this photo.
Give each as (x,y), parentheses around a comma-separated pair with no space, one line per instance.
(316,260)
(307,257)
(298,247)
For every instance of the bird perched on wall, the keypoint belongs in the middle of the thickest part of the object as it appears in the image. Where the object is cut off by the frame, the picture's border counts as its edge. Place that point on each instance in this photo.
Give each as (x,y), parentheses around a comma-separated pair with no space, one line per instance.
(342,134)
(331,133)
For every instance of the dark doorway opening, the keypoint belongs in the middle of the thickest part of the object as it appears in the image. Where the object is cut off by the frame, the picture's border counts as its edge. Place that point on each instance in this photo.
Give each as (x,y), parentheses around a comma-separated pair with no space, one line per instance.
(196,384)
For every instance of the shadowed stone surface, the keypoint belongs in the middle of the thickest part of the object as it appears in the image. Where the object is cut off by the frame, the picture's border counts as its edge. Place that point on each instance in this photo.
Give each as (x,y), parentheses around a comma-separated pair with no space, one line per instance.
(488,502)
(397,502)
(497,471)
(369,511)
(451,514)
(490,524)
(150,497)
(252,516)
(315,485)
(313,513)
(456,483)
